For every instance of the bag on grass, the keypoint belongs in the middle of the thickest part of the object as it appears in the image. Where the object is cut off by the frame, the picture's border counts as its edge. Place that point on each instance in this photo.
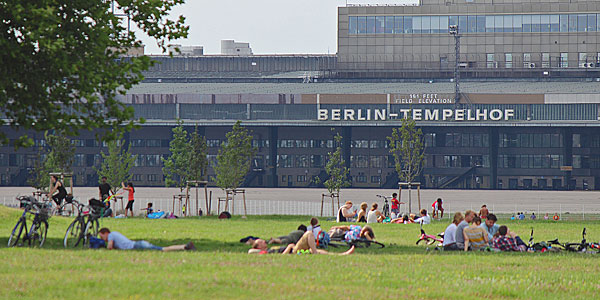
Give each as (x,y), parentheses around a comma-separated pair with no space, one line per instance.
(323,239)
(225,215)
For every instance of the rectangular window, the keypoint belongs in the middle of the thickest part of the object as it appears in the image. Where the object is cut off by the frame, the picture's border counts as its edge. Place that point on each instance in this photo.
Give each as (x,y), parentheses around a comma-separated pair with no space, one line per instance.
(526,23)
(481,23)
(352,25)
(572,23)
(443,24)
(564,23)
(508,60)
(362,25)
(408,25)
(389,24)
(302,161)
(152,177)
(301,178)
(377,161)
(370,25)
(376,179)
(435,24)
(545,60)
(471,24)
(582,60)
(316,161)
(545,23)
(153,143)
(489,24)
(591,22)
(361,177)
(359,161)
(379,25)
(490,63)
(508,24)
(518,23)
(536,23)
(416,24)
(399,24)
(284,161)
(554,23)
(462,24)
(564,60)
(581,23)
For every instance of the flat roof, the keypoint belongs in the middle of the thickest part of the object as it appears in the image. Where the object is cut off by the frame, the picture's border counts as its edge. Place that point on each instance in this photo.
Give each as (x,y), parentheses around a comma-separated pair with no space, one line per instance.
(488,87)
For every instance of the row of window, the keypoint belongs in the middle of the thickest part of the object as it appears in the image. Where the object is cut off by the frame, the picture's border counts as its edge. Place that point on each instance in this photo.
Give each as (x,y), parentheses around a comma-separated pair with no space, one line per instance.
(458,161)
(149,177)
(148,160)
(586,161)
(531,140)
(586,141)
(467,140)
(360,178)
(530,161)
(473,24)
(149,143)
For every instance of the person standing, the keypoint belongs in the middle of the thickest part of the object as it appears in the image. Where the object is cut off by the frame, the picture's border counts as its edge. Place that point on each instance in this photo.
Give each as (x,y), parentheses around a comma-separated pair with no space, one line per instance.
(130,199)
(396,205)
(104,192)
(484,212)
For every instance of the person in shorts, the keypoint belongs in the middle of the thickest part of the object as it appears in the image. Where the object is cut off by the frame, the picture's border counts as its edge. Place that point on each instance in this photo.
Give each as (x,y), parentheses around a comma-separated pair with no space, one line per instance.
(396,205)
(130,198)
(115,240)
(306,244)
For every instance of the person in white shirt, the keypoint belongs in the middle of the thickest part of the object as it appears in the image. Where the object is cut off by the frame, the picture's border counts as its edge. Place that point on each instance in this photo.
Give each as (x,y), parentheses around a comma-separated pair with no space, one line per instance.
(450,233)
(424,219)
(375,216)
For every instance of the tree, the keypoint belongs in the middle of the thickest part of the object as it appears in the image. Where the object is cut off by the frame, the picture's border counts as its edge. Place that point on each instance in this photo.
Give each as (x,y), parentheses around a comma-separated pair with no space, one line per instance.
(336,169)
(234,158)
(408,148)
(176,167)
(58,160)
(198,160)
(116,165)
(62,62)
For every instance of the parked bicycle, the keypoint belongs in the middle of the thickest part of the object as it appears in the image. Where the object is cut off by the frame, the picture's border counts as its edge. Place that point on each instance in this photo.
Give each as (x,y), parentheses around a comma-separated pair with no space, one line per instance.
(386,206)
(75,233)
(36,234)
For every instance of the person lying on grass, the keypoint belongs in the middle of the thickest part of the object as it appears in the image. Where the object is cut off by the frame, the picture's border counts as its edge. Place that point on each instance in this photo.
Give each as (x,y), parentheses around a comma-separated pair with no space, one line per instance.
(352,232)
(115,240)
(306,244)
(291,238)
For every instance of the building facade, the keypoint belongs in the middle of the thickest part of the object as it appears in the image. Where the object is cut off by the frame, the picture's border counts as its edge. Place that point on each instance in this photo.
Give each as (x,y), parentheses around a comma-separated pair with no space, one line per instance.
(497,37)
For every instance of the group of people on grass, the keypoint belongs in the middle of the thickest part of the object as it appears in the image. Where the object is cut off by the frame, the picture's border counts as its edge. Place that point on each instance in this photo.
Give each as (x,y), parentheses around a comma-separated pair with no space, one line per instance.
(306,239)
(477,232)
(373,215)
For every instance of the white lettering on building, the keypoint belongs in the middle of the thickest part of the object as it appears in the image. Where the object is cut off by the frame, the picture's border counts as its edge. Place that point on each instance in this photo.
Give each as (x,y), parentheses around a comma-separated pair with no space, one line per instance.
(434,114)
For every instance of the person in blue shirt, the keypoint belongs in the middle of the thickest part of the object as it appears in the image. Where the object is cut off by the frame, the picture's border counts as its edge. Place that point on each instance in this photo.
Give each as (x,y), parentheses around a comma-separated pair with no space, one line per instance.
(115,240)
(490,226)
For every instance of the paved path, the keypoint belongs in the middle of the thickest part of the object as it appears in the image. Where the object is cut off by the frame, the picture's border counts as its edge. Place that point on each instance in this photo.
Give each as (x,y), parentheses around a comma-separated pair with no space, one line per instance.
(308,201)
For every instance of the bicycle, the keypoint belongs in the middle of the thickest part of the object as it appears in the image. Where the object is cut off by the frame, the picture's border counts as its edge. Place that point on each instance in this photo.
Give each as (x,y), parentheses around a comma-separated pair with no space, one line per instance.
(92,226)
(36,234)
(75,231)
(578,247)
(430,239)
(386,206)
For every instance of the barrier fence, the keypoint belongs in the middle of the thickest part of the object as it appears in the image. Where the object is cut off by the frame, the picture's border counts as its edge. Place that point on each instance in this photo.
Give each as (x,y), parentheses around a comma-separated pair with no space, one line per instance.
(565,211)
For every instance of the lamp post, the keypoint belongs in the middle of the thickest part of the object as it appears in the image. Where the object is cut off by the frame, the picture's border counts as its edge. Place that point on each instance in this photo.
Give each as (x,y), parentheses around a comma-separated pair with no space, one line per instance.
(453,30)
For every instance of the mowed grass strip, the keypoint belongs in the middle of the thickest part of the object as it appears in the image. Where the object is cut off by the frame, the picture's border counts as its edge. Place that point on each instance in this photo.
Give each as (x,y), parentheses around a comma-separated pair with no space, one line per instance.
(221,269)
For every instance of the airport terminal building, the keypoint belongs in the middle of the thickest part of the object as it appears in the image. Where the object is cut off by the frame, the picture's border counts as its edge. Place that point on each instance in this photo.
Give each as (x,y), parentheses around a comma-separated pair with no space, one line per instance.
(528,116)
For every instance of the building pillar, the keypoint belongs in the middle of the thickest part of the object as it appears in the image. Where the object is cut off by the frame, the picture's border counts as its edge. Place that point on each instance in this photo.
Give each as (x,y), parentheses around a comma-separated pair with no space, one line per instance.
(567,152)
(273,133)
(493,153)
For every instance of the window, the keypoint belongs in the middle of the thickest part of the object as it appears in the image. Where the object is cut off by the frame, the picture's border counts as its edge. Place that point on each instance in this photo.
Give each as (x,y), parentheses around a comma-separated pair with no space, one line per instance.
(572,23)
(352,25)
(316,161)
(508,60)
(379,24)
(153,143)
(592,24)
(564,23)
(364,144)
(490,61)
(284,161)
(213,143)
(376,179)
(136,177)
(564,60)
(370,25)
(545,60)
(359,161)
(582,60)
(361,177)
(389,24)
(78,143)
(581,23)
(301,178)
(137,143)
(302,161)
(361,25)
(377,161)
(152,177)
(398,24)
(429,140)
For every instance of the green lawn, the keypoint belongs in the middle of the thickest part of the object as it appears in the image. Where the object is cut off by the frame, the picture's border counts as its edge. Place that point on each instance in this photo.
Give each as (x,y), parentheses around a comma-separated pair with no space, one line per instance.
(221,269)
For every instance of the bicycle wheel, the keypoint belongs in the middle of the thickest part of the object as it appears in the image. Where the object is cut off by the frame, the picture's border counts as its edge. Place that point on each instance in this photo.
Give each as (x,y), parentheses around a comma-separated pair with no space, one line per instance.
(38,233)
(74,233)
(91,229)
(15,235)
(574,247)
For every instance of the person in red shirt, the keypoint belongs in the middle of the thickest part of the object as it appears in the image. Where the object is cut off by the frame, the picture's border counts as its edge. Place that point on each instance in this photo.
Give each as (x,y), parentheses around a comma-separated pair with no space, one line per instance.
(396,205)
(437,206)
(130,199)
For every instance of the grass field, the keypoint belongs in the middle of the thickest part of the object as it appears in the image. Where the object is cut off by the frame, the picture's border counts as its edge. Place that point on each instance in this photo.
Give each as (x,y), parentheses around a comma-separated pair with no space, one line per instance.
(221,269)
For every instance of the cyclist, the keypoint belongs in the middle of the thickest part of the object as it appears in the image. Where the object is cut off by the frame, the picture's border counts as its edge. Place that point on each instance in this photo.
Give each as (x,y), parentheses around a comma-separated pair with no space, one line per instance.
(57,185)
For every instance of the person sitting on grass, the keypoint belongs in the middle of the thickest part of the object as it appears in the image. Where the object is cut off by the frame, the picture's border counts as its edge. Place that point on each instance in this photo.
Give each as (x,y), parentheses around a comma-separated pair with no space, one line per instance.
(148,209)
(533,216)
(362,214)
(314,226)
(306,244)
(437,206)
(115,240)
(450,233)
(490,226)
(476,238)
(345,214)
(459,237)
(291,238)
(402,220)
(505,240)
(374,215)
(424,219)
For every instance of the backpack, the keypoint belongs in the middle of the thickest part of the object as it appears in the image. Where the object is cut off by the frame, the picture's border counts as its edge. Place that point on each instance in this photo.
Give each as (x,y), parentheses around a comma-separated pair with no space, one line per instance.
(323,239)
(96,243)
(225,215)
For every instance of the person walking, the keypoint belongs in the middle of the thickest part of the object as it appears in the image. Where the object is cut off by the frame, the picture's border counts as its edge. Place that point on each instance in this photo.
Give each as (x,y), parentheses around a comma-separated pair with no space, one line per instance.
(130,198)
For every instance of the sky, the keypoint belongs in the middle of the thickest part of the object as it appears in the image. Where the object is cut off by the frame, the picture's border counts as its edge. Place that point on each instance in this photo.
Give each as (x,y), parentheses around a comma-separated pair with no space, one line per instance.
(270,26)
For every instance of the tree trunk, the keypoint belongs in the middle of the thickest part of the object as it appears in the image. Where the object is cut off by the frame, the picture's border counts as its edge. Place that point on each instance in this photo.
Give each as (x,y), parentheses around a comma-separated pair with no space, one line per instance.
(409,199)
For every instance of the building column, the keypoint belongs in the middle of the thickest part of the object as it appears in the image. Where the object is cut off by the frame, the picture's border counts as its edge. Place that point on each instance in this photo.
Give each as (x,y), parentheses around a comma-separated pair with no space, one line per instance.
(567,152)
(493,153)
(273,133)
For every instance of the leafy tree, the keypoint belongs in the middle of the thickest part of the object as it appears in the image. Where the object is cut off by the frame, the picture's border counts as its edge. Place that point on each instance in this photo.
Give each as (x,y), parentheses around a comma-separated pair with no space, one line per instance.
(408,148)
(116,164)
(198,160)
(234,158)
(336,169)
(62,63)
(38,175)
(176,168)
(58,160)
